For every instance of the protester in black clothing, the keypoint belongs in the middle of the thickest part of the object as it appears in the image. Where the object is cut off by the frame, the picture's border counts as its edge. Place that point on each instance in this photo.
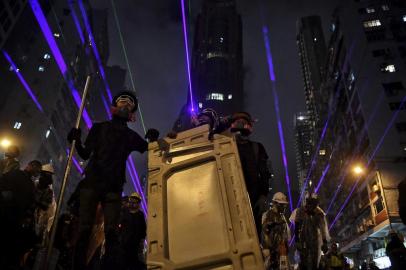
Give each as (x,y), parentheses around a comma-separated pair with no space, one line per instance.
(254,162)
(17,204)
(396,252)
(133,231)
(207,116)
(107,147)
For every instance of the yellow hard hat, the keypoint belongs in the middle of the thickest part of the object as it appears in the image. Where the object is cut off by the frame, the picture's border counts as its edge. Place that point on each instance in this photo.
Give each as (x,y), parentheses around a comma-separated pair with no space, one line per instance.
(135,195)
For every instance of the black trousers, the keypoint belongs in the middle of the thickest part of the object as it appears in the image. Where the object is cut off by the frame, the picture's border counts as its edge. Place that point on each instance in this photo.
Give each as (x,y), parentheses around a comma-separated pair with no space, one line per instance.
(111,204)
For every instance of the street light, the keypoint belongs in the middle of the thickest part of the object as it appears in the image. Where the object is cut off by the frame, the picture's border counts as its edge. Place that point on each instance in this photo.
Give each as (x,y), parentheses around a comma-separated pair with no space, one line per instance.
(358,170)
(5,143)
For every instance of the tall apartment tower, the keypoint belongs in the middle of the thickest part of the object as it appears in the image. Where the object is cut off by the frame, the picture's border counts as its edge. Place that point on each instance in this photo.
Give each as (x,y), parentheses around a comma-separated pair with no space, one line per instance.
(217,72)
(366,84)
(312,52)
(37,108)
(303,144)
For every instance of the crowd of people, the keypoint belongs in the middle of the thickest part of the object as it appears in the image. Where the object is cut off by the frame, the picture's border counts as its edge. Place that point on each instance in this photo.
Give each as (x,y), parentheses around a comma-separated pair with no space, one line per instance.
(101,229)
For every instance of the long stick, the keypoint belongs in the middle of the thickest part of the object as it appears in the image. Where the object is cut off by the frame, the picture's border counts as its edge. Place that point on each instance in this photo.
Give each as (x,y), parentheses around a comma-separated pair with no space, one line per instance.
(65,177)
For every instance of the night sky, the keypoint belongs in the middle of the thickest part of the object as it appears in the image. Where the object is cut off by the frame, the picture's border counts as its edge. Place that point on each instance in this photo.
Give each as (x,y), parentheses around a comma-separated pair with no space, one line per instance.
(153,37)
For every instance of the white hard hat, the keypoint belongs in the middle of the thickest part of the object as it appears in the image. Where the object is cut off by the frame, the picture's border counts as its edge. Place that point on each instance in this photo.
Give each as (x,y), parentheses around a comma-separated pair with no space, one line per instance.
(279,197)
(48,168)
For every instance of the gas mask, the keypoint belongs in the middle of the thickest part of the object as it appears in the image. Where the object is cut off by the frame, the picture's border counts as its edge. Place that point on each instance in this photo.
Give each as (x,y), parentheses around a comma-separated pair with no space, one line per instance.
(280,207)
(123,107)
(123,113)
(241,126)
(44,181)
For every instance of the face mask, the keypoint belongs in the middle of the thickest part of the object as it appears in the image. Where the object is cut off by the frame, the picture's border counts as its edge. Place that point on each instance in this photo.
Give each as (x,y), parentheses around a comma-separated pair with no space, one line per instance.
(242,127)
(123,112)
(281,208)
(44,181)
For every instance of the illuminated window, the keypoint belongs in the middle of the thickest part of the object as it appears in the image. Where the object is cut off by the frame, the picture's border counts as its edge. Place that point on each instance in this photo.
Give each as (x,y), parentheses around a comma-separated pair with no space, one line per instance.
(322,152)
(370,10)
(12,69)
(230,96)
(385,7)
(315,39)
(372,23)
(215,96)
(200,105)
(17,125)
(404,18)
(388,68)
(215,54)
(221,40)
(47,56)
(41,69)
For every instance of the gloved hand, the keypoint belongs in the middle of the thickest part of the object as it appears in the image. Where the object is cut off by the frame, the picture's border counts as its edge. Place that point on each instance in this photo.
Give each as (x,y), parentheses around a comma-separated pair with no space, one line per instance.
(152,135)
(74,134)
(324,247)
(172,134)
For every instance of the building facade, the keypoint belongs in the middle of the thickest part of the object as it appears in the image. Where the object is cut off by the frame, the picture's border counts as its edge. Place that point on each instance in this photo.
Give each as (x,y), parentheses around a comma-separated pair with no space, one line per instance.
(38,106)
(303,145)
(10,12)
(312,53)
(217,71)
(365,80)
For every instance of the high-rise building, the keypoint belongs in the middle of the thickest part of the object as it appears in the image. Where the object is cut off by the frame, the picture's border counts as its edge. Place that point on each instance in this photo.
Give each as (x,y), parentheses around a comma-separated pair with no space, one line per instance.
(365,82)
(303,145)
(312,52)
(10,12)
(38,107)
(217,73)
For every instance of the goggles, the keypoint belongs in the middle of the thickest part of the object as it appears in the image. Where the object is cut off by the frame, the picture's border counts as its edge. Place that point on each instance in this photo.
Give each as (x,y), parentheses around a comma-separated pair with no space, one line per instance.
(126,98)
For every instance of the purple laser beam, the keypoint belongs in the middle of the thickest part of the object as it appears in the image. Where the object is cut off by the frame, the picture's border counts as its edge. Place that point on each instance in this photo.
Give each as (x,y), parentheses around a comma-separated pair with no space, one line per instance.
(268,53)
(58,56)
(106,106)
(133,180)
(316,190)
(182,3)
(358,146)
(130,168)
(313,163)
(39,15)
(322,178)
(94,48)
(137,178)
(76,21)
(370,159)
(278,116)
(76,163)
(23,81)
(46,31)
